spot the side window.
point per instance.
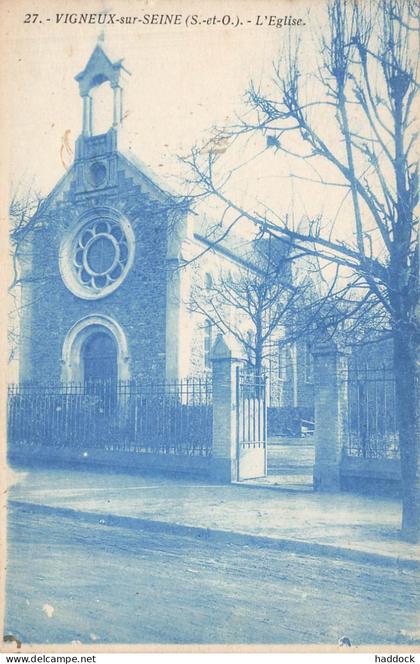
(282, 361)
(309, 363)
(208, 281)
(208, 342)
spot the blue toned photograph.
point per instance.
(212, 285)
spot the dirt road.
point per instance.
(72, 581)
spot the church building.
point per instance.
(104, 289)
(106, 294)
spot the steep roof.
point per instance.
(99, 68)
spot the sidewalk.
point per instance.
(337, 525)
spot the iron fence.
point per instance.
(372, 427)
(153, 417)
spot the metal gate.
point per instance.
(251, 422)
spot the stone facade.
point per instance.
(139, 303)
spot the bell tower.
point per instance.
(96, 149)
(99, 71)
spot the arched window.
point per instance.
(208, 281)
(208, 343)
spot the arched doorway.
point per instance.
(99, 355)
(95, 349)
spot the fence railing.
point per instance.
(372, 429)
(153, 417)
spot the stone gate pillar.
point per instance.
(331, 408)
(224, 458)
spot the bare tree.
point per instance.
(24, 221)
(357, 120)
(252, 302)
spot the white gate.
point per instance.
(251, 425)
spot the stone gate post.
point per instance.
(331, 408)
(224, 459)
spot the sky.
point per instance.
(183, 80)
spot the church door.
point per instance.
(100, 363)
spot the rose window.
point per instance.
(101, 254)
(96, 258)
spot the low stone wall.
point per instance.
(370, 476)
(117, 460)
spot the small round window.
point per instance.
(97, 174)
(97, 256)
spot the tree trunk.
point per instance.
(258, 368)
(407, 377)
(258, 361)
